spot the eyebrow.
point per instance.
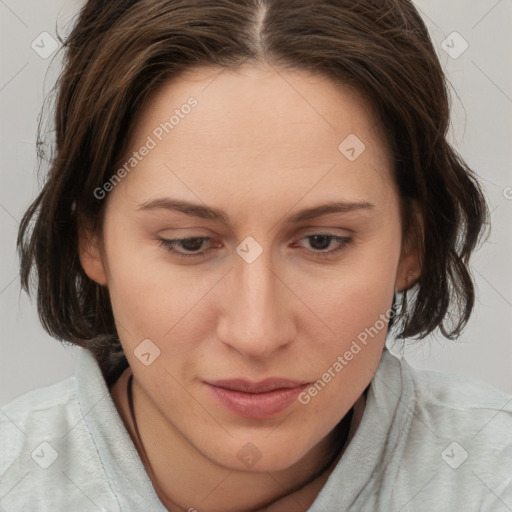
(210, 213)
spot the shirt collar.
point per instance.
(119, 457)
(380, 435)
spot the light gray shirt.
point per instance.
(427, 442)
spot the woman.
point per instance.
(245, 198)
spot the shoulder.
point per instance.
(459, 441)
(460, 404)
(30, 423)
(42, 398)
(47, 452)
(46, 411)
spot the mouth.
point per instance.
(257, 400)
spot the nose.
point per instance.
(256, 318)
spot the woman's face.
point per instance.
(283, 182)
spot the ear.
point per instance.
(410, 265)
(91, 255)
(409, 271)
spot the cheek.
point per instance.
(356, 319)
(354, 303)
(353, 295)
(149, 296)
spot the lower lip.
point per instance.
(257, 405)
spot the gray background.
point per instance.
(481, 131)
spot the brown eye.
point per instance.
(321, 241)
(192, 244)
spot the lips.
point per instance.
(258, 400)
(264, 386)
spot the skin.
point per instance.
(261, 144)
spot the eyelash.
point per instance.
(169, 245)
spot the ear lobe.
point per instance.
(90, 253)
(407, 275)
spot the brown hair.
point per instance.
(120, 51)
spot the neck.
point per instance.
(179, 473)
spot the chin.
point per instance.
(259, 454)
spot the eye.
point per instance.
(192, 244)
(321, 241)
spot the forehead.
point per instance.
(248, 128)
